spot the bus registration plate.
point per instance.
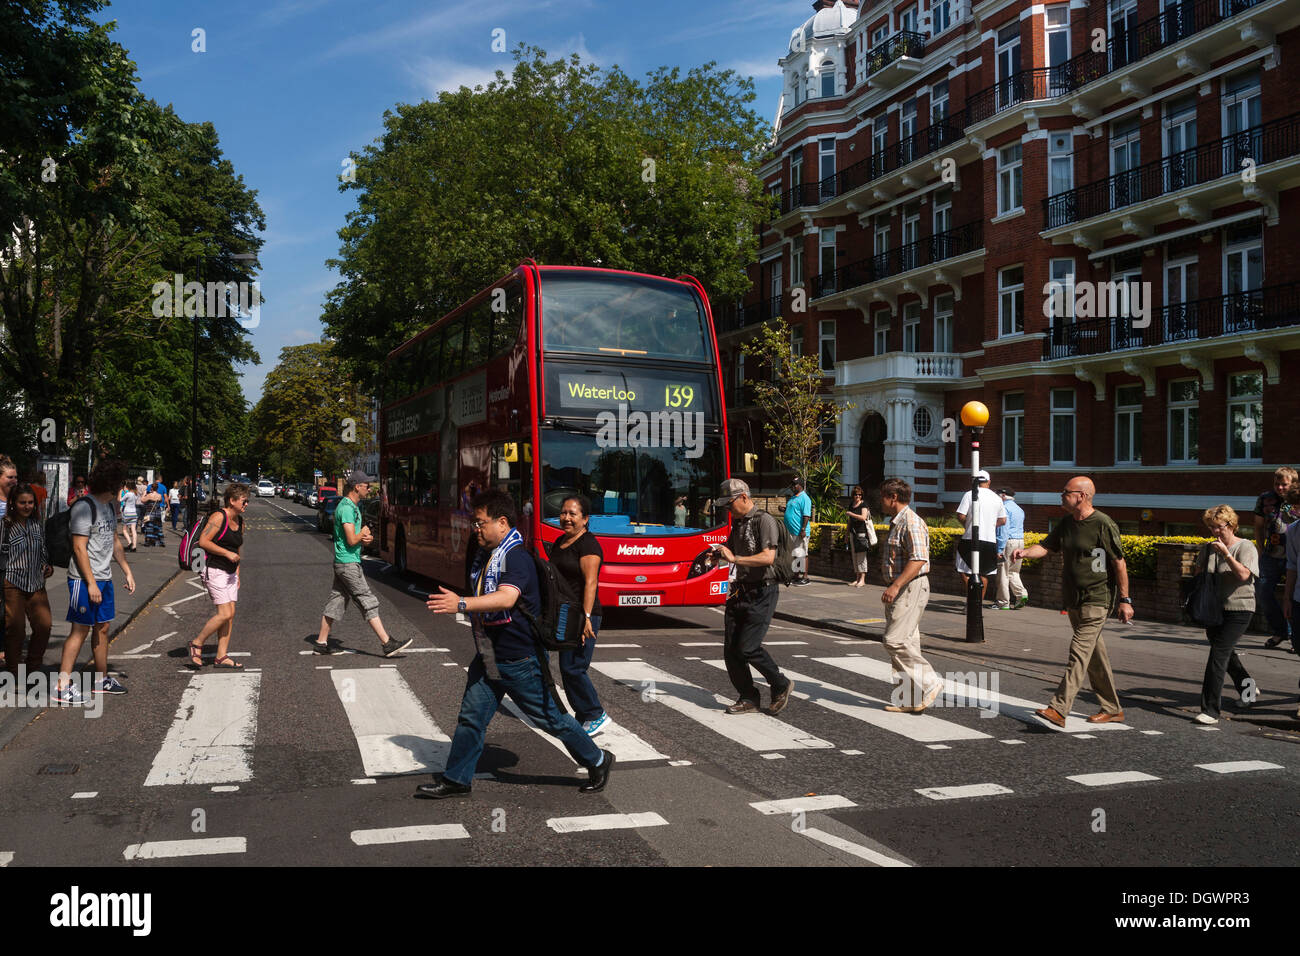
(638, 600)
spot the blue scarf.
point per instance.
(492, 572)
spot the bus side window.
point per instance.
(478, 331)
(433, 359)
(505, 325)
(453, 350)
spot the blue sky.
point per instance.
(293, 86)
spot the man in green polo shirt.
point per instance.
(349, 580)
(1094, 569)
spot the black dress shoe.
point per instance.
(597, 777)
(441, 790)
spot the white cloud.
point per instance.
(432, 76)
(457, 19)
(758, 69)
(767, 15)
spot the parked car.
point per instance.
(302, 491)
(318, 497)
(325, 513)
(370, 518)
(265, 489)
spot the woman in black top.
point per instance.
(577, 558)
(221, 539)
(859, 516)
(23, 580)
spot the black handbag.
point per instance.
(861, 542)
(1203, 605)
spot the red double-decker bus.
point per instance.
(557, 380)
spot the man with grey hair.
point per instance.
(350, 583)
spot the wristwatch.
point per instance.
(460, 606)
(1128, 601)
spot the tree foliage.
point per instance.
(560, 162)
(794, 410)
(301, 422)
(108, 193)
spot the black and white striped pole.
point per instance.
(975, 415)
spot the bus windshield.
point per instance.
(624, 315)
(642, 490)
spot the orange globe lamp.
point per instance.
(974, 415)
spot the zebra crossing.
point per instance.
(212, 739)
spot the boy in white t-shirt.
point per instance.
(989, 512)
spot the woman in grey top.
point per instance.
(23, 581)
(1234, 562)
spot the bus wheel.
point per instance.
(399, 553)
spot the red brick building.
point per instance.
(1084, 214)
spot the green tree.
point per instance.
(302, 420)
(560, 162)
(794, 408)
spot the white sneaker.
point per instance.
(1204, 718)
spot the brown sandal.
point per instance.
(225, 663)
(196, 656)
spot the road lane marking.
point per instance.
(961, 793)
(772, 756)
(169, 849)
(699, 643)
(606, 821)
(862, 852)
(922, 728)
(85, 795)
(1240, 766)
(826, 801)
(1007, 706)
(409, 650)
(610, 647)
(184, 599)
(435, 831)
(145, 647)
(6, 857)
(785, 643)
(211, 737)
(756, 731)
(625, 745)
(231, 788)
(394, 732)
(1105, 779)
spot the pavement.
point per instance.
(313, 761)
(153, 569)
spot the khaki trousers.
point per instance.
(1087, 655)
(1009, 583)
(903, 641)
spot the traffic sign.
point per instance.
(207, 456)
(319, 474)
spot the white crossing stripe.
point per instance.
(339, 651)
(759, 732)
(211, 737)
(784, 643)
(826, 801)
(862, 852)
(1007, 705)
(959, 793)
(607, 647)
(625, 745)
(435, 831)
(699, 643)
(6, 857)
(606, 821)
(394, 732)
(919, 727)
(1240, 766)
(1104, 779)
(143, 647)
(166, 849)
(183, 600)
(85, 795)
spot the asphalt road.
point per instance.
(313, 761)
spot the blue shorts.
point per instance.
(81, 611)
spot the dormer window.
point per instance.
(828, 78)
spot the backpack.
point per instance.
(783, 565)
(190, 541)
(558, 626)
(58, 532)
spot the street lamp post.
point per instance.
(974, 415)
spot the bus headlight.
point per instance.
(702, 564)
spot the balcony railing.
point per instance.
(913, 255)
(1177, 22)
(1262, 144)
(913, 366)
(1038, 83)
(1272, 307)
(731, 318)
(904, 43)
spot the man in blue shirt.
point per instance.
(1011, 537)
(509, 661)
(798, 521)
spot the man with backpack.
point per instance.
(753, 547)
(93, 526)
(505, 602)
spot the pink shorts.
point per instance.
(223, 586)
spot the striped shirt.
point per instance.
(28, 555)
(909, 540)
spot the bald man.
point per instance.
(1094, 570)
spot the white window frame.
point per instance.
(796, 168)
(796, 340)
(1183, 409)
(1060, 162)
(826, 344)
(1132, 411)
(826, 250)
(796, 262)
(1013, 429)
(909, 19)
(1011, 300)
(944, 327)
(1011, 193)
(1058, 412)
(825, 157)
(881, 324)
(826, 71)
(939, 100)
(941, 18)
(912, 327)
(1253, 404)
(1061, 273)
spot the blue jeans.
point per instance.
(577, 685)
(1271, 571)
(522, 680)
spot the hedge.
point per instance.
(1139, 550)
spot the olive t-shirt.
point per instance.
(571, 582)
(752, 535)
(1088, 550)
